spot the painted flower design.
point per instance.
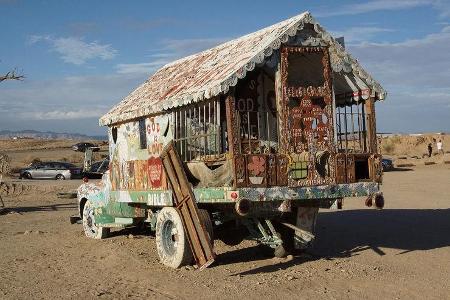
(257, 165)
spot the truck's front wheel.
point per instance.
(171, 240)
(91, 229)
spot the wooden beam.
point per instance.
(369, 106)
(232, 126)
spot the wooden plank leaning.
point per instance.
(184, 200)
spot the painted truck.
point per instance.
(271, 127)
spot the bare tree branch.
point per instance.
(11, 75)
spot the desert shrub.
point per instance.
(420, 140)
(15, 170)
(30, 159)
(395, 140)
(388, 147)
(76, 158)
(97, 156)
(5, 166)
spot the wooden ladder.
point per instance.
(184, 200)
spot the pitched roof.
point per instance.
(213, 71)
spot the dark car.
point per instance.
(50, 170)
(97, 169)
(81, 147)
(387, 164)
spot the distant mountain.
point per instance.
(47, 135)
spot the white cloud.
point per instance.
(359, 34)
(62, 114)
(416, 62)
(170, 50)
(442, 6)
(189, 46)
(76, 97)
(141, 68)
(75, 50)
(416, 74)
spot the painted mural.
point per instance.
(134, 167)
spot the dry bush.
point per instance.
(15, 170)
(97, 156)
(31, 159)
(76, 158)
(388, 147)
(420, 140)
(395, 140)
(5, 166)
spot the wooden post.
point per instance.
(280, 110)
(232, 125)
(371, 125)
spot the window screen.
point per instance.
(305, 69)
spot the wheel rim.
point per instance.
(169, 237)
(60, 177)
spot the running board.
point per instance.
(184, 201)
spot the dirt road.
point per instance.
(400, 252)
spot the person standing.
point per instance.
(430, 149)
(439, 147)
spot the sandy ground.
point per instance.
(400, 252)
(23, 152)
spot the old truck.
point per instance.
(268, 128)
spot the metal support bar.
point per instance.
(295, 228)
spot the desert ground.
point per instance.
(399, 252)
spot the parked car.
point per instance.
(81, 147)
(387, 164)
(51, 170)
(97, 169)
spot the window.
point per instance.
(305, 69)
(257, 113)
(351, 127)
(142, 134)
(197, 131)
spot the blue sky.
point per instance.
(82, 57)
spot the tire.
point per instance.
(60, 177)
(206, 219)
(92, 230)
(27, 175)
(171, 241)
(230, 234)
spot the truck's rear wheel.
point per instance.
(171, 240)
(91, 229)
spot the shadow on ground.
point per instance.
(400, 169)
(25, 209)
(347, 233)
